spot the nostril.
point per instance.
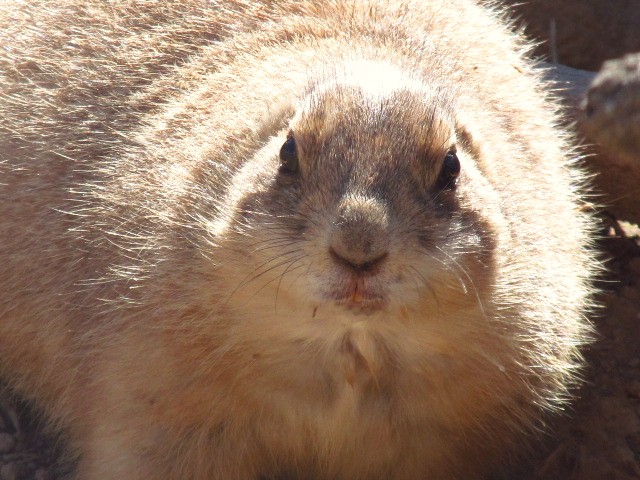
(360, 265)
(370, 265)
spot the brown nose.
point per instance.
(360, 234)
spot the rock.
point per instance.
(612, 122)
(613, 109)
(606, 108)
(571, 85)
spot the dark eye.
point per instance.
(289, 157)
(449, 171)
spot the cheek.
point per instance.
(447, 248)
(480, 204)
(473, 252)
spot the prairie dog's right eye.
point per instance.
(289, 157)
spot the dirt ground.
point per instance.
(599, 437)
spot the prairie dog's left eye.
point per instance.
(448, 172)
(289, 157)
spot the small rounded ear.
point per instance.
(289, 164)
(449, 171)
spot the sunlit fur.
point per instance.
(179, 309)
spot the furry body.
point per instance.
(174, 302)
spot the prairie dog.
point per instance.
(256, 240)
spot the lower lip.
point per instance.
(363, 304)
(356, 295)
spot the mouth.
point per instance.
(359, 297)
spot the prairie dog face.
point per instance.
(364, 206)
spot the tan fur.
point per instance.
(171, 301)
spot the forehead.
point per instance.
(374, 106)
(375, 80)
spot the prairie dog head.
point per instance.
(364, 206)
